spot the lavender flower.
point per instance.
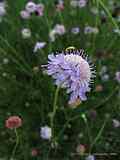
(82, 3)
(90, 157)
(117, 76)
(71, 70)
(39, 45)
(75, 30)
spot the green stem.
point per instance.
(98, 135)
(87, 127)
(15, 147)
(108, 13)
(54, 107)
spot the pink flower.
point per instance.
(60, 6)
(39, 9)
(13, 122)
(34, 152)
(24, 14)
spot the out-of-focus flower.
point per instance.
(71, 70)
(94, 10)
(59, 29)
(90, 157)
(30, 7)
(5, 61)
(99, 88)
(105, 77)
(24, 14)
(93, 114)
(74, 3)
(117, 76)
(116, 123)
(75, 30)
(26, 33)
(89, 30)
(82, 3)
(52, 35)
(81, 149)
(60, 5)
(34, 152)
(78, 3)
(2, 9)
(117, 31)
(39, 9)
(103, 70)
(39, 45)
(46, 132)
(13, 122)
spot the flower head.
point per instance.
(25, 14)
(13, 122)
(26, 33)
(39, 45)
(30, 7)
(71, 70)
(117, 76)
(46, 132)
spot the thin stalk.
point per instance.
(15, 147)
(54, 107)
(108, 13)
(98, 135)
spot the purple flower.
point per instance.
(117, 76)
(71, 70)
(75, 30)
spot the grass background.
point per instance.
(30, 95)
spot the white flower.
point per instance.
(5, 61)
(30, 7)
(46, 132)
(73, 3)
(26, 33)
(116, 123)
(2, 9)
(39, 45)
(52, 35)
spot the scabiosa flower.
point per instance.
(34, 152)
(46, 132)
(60, 5)
(24, 14)
(39, 9)
(75, 30)
(13, 122)
(117, 76)
(82, 3)
(59, 29)
(39, 45)
(81, 149)
(30, 7)
(71, 70)
(89, 30)
(26, 33)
